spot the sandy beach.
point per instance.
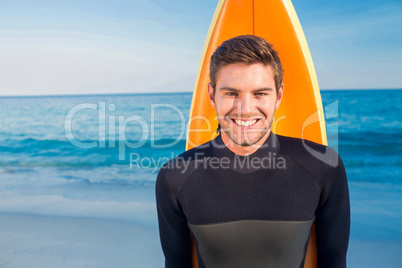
(48, 241)
(365, 253)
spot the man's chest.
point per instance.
(218, 195)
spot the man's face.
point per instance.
(245, 101)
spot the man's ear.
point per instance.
(211, 95)
(280, 96)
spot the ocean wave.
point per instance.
(366, 161)
(371, 139)
(142, 211)
(58, 153)
(37, 178)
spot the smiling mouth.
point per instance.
(245, 123)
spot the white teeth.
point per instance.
(245, 123)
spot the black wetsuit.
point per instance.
(257, 210)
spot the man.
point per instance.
(249, 196)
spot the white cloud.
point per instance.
(73, 62)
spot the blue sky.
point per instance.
(102, 46)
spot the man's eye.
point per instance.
(260, 94)
(231, 94)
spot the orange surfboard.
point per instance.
(301, 113)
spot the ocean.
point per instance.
(97, 156)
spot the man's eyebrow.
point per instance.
(263, 89)
(229, 89)
(236, 90)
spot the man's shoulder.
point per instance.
(179, 169)
(316, 158)
(196, 153)
(293, 145)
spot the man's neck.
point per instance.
(243, 150)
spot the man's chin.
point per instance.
(245, 139)
(246, 142)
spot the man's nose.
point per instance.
(245, 105)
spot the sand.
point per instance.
(52, 241)
(48, 241)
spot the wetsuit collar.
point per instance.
(249, 163)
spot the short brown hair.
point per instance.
(247, 49)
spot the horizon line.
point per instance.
(164, 93)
